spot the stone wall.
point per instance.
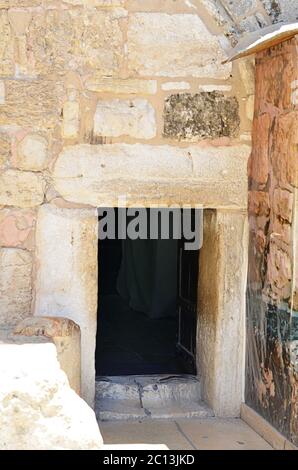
(100, 98)
(272, 328)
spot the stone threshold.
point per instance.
(265, 430)
(149, 397)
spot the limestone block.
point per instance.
(238, 8)
(283, 204)
(21, 189)
(221, 315)
(175, 86)
(4, 149)
(175, 45)
(96, 3)
(99, 174)
(135, 118)
(247, 73)
(202, 115)
(17, 228)
(32, 103)
(2, 92)
(117, 85)
(66, 336)
(38, 409)
(6, 45)
(77, 39)
(32, 153)
(15, 285)
(71, 119)
(66, 279)
(250, 107)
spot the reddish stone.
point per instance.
(283, 204)
(279, 272)
(259, 164)
(17, 228)
(258, 203)
(285, 148)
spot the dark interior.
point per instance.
(138, 308)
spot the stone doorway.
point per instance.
(147, 293)
(67, 285)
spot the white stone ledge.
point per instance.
(98, 174)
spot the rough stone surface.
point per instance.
(203, 115)
(258, 203)
(135, 118)
(259, 165)
(66, 336)
(283, 204)
(43, 104)
(21, 189)
(5, 149)
(131, 86)
(69, 288)
(17, 227)
(99, 175)
(38, 409)
(15, 285)
(33, 153)
(279, 274)
(222, 281)
(6, 46)
(182, 46)
(75, 39)
(97, 3)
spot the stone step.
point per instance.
(152, 389)
(149, 397)
(109, 409)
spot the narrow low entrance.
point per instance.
(147, 302)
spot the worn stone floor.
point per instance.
(182, 434)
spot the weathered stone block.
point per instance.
(283, 204)
(21, 189)
(173, 46)
(203, 115)
(258, 203)
(17, 228)
(117, 85)
(285, 149)
(279, 273)
(6, 46)
(96, 3)
(239, 8)
(99, 174)
(135, 118)
(32, 154)
(175, 86)
(38, 409)
(4, 149)
(2, 92)
(66, 336)
(35, 103)
(71, 120)
(77, 39)
(15, 285)
(259, 163)
(69, 235)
